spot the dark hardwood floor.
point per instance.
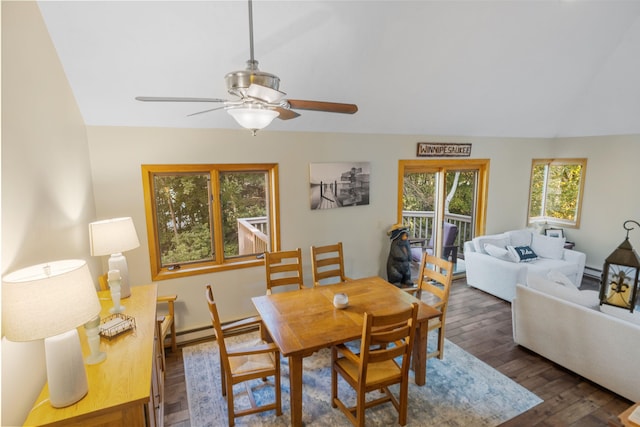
(480, 324)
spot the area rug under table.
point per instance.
(461, 390)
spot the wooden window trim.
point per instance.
(159, 273)
(559, 161)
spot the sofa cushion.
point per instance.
(522, 253)
(498, 252)
(548, 247)
(621, 313)
(519, 237)
(589, 299)
(542, 266)
(560, 278)
(500, 240)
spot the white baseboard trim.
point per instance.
(202, 333)
(198, 334)
(592, 272)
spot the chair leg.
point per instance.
(230, 411)
(174, 346)
(223, 379)
(404, 402)
(360, 408)
(277, 381)
(441, 342)
(334, 379)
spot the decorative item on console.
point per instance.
(115, 285)
(619, 286)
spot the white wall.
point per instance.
(47, 196)
(611, 192)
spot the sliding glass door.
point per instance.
(442, 202)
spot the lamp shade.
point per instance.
(253, 118)
(48, 299)
(112, 236)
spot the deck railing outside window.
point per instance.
(252, 236)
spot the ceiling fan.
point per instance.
(258, 98)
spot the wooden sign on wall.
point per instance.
(443, 149)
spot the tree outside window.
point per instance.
(556, 191)
(203, 218)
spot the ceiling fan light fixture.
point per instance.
(253, 118)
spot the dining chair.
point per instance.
(243, 362)
(435, 278)
(283, 268)
(327, 264)
(383, 360)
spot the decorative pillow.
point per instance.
(498, 252)
(499, 240)
(548, 247)
(561, 279)
(621, 313)
(519, 237)
(522, 253)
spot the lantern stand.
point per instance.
(619, 285)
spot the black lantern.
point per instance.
(619, 285)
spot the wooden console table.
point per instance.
(624, 417)
(126, 389)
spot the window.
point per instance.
(434, 192)
(556, 191)
(204, 218)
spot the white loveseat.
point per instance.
(599, 343)
(497, 272)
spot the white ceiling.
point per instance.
(466, 68)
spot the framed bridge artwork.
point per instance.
(339, 185)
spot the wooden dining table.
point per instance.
(304, 321)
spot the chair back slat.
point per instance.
(327, 262)
(283, 268)
(392, 333)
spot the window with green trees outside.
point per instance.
(202, 218)
(556, 191)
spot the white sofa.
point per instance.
(596, 343)
(497, 273)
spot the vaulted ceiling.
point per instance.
(466, 68)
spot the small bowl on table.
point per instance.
(340, 300)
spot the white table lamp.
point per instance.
(112, 237)
(50, 301)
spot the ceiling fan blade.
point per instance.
(286, 114)
(331, 107)
(205, 111)
(172, 99)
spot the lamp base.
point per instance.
(119, 262)
(66, 375)
(92, 328)
(94, 359)
(119, 309)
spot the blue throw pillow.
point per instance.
(522, 253)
